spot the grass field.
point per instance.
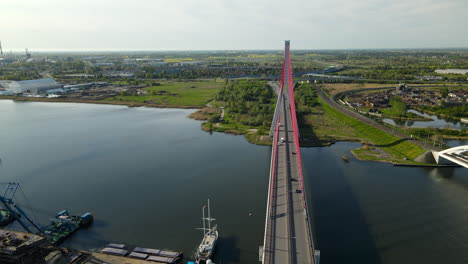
(326, 125)
(319, 129)
(194, 93)
(176, 60)
(399, 149)
(334, 88)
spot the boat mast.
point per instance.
(209, 216)
(203, 212)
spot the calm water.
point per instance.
(145, 173)
(454, 143)
(375, 213)
(437, 122)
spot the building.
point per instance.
(34, 86)
(19, 247)
(402, 87)
(452, 71)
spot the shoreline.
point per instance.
(422, 119)
(78, 101)
(250, 137)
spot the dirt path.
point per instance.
(221, 116)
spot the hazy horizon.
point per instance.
(204, 25)
(21, 51)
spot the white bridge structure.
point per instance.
(458, 155)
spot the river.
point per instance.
(146, 173)
(369, 212)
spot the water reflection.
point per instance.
(455, 143)
(370, 212)
(143, 173)
(441, 173)
(437, 122)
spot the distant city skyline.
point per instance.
(169, 25)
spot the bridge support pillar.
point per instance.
(317, 257)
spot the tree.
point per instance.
(445, 92)
(213, 119)
(399, 107)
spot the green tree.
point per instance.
(398, 106)
(444, 92)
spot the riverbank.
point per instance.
(325, 124)
(252, 135)
(323, 129)
(202, 114)
(402, 119)
(67, 100)
(245, 107)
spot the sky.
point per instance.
(86, 25)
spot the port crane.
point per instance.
(18, 214)
(60, 227)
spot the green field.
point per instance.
(188, 94)
(390, 144)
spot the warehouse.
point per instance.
(34, 86)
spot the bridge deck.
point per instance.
(287, 232)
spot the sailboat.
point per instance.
(210, 236)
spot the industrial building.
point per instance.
(452, 71)
(34, 86)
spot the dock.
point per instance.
(26, 248)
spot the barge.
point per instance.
(148, 254)
(64, 225)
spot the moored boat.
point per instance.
(210, 237)
(64, 224)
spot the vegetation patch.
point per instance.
(446, 111)
(248, 110)
(321, 124)
(335, 88)
(191, 93)
(436, 134)
(206, 113)
(316, 127)
(399, 149)
(257, 139)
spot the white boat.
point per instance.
(210, 236)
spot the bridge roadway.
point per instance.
(287, 236)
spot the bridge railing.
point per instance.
(292, 105)
(268, 247)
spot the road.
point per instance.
(332, 102)
(287, 227)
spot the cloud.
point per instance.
(232, 24)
